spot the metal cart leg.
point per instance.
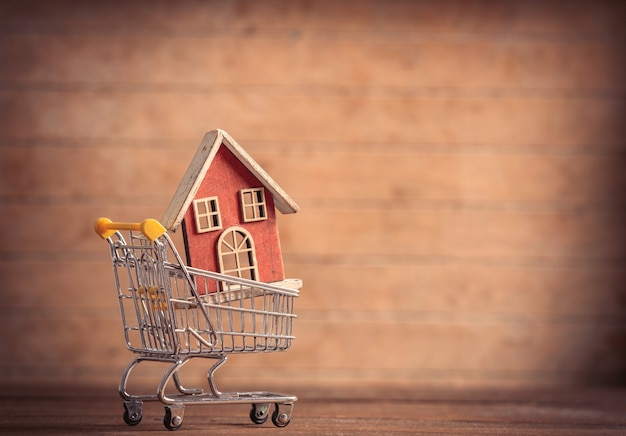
(125, 375)
(210, 375)
(129, 369)
(184, 390)
(171, 372)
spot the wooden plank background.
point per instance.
(459, 167)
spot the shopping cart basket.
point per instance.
(170, 315)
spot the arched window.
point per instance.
(236, 254)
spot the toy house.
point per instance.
(226, 206)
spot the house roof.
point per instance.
(198, 168)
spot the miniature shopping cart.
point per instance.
(171, 313)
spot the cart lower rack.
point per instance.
(172, 313)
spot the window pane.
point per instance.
(248, 213)
(247, 274)
(229, 261)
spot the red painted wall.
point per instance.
(225, 178)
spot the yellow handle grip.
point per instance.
(151, 228)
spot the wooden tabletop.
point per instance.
(340, 410)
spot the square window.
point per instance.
(207, 214)
(253, 206)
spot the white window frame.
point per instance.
(212, 214)
(244, 253)
(258, 206)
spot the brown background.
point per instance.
(459, 167)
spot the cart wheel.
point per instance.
(132, 413)
(170, 421)
(280, 419)
(260, 413)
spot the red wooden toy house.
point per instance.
(226, 205)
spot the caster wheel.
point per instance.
(132, 414)
(280, 419)
(171, 421)
(260, 413)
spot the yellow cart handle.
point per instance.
(151, 228)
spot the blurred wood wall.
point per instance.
(459, 167)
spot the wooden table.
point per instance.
(333, 411)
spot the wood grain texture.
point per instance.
(362, 409)
(431, 175)
(459, 167)
(429, 117)
(402, 63)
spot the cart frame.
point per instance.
(169, 316)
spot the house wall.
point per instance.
(225, 178)
(459, 167)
